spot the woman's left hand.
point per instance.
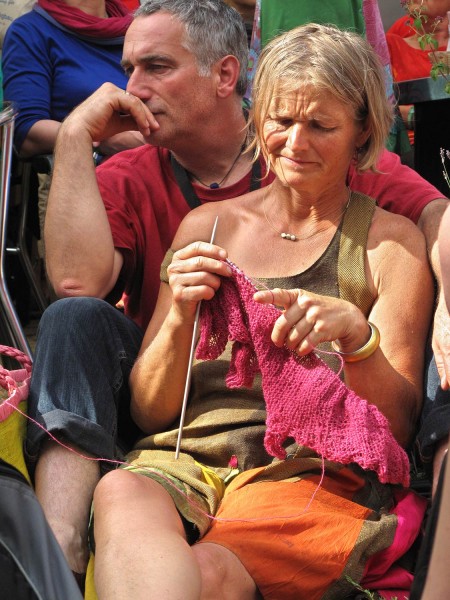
(309, 319)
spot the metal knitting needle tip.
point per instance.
(191, 361)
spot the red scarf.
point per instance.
(116, 25)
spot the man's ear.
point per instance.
(227, 71)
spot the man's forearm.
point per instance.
(79, 245)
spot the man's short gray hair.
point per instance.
(213, 29)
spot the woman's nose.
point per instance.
(297, 137)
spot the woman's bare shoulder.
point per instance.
(198, 224)
(394, 228)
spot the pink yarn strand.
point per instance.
(167, 480)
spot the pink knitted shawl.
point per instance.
(304, 398)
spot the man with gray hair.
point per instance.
(107, 231)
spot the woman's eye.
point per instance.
(321, 127)
(280, 122)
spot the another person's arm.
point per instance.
(81, 258)
(120, 142)
(435, 217)
(403, 191)
(41, 139)
(444, 255)
(27, 81)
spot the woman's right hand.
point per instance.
(194, 275)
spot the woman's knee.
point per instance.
(116, 487)
(212, 571)
(223, 575)
(121, 493)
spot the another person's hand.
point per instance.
(109, 111)
(194, 275)
(309, 319)
(441, 342)
(441, 325)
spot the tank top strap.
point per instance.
(352, 251)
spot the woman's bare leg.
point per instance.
(224, 577)
(141, 548)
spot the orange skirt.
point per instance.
(301, 540)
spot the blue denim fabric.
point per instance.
(435, 420)
(79, 387)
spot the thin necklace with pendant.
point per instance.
(291, 236)
(216, 184)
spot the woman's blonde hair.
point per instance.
(338, 62)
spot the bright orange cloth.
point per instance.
(302, 556)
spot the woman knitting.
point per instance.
(341, 283)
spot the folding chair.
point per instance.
(11, 325)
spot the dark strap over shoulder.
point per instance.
(185, 185)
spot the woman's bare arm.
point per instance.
(158, 378)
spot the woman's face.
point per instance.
(433, 8)
(311, 138)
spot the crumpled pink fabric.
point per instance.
(304, 398)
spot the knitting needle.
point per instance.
(191, 361)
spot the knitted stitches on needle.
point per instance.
(304, 398)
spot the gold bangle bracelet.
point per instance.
(365, 351)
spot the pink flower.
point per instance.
(233, 463)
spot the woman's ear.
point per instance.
(363, 135)
(227, 70)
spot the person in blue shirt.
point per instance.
(54, 57)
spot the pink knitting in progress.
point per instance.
(304, 398)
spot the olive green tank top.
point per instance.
(339, 272)
(221, 422)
